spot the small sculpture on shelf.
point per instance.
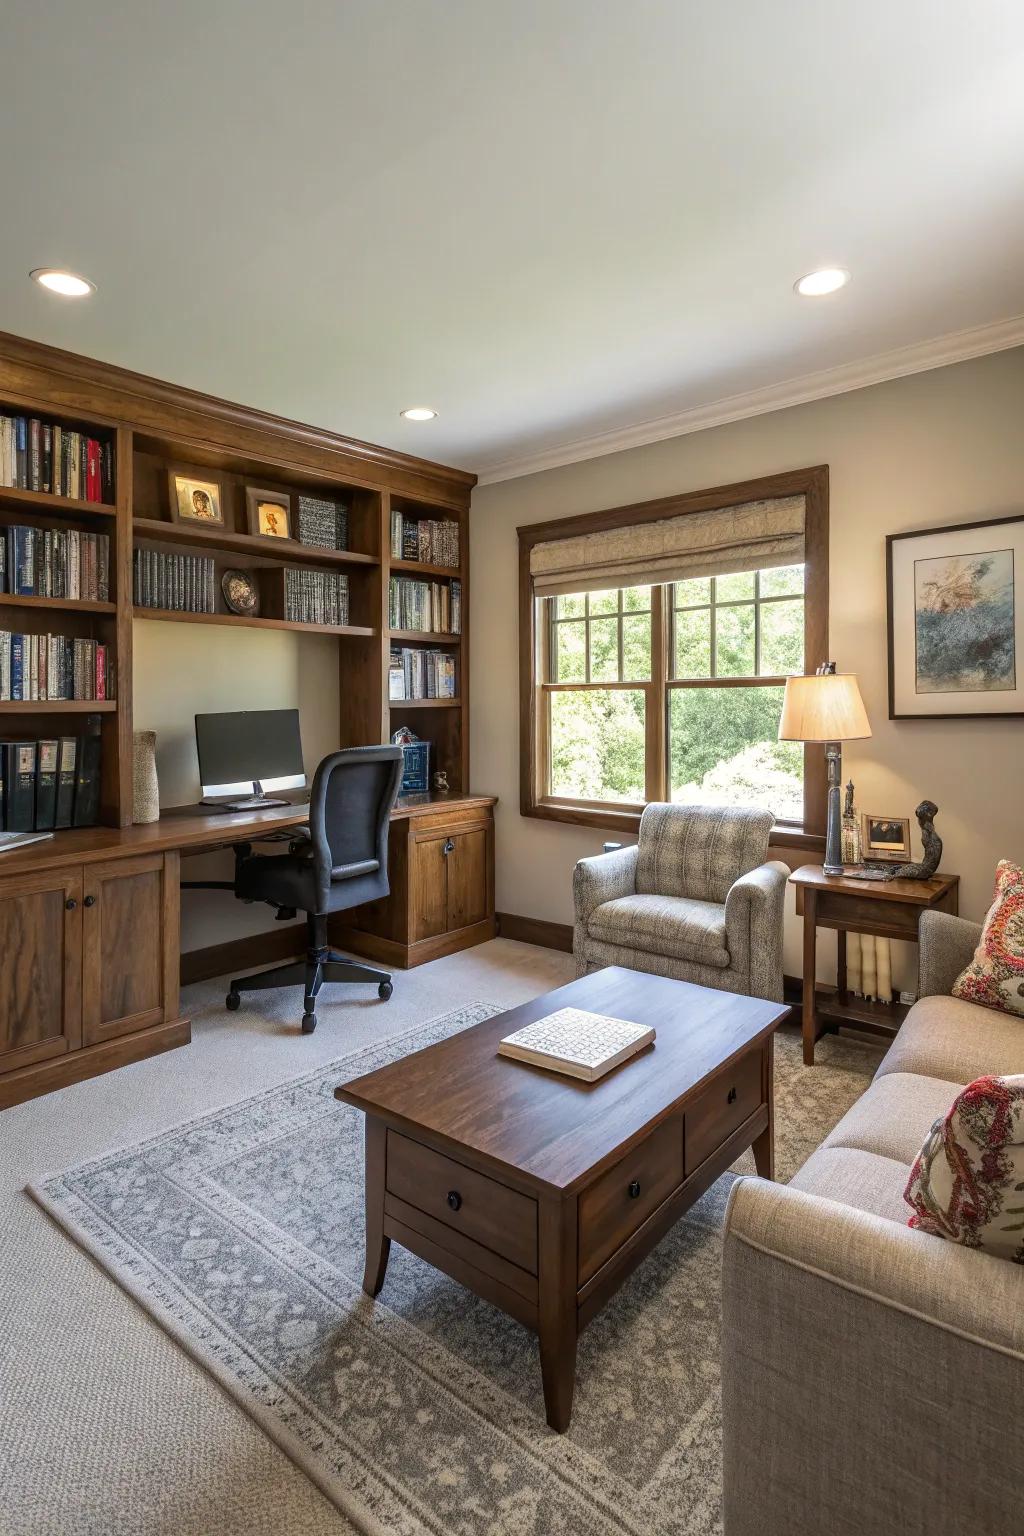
(441, 786)
(922, 869)
(850, 834)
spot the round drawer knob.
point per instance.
(454, 1199)
(634, 1190)
(71, 904)
(90, 901)
(731, 1096)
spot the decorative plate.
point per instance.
(240, 593)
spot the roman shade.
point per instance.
(748, 537)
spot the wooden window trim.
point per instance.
(534, 640)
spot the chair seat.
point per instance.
(678, 926)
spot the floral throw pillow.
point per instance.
(995, 977)
(967, 1183)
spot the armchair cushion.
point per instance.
(664, 925)
(698, 850)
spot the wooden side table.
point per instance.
(890, 909)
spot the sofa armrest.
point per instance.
(947, 945)
(865, 1368)
(603, 878)
(754, 912)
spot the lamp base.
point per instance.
(833, 863)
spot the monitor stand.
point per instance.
(257, 801)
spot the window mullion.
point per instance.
(656, 714)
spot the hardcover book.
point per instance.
(577, 1043)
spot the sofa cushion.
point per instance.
(944, 1037)
(995, 977)
(863, 1180)
(894, 1116)
(699, 850)
(967, 1183)
(663, 925)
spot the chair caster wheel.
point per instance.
(384, 991)
(308, 1023)
(232, 1002)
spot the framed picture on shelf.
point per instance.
(269, 513)
(956, 621)
(195, 495)
(886, 839)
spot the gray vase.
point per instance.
(145, 789)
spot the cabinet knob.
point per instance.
(449, 846)
(90, 901)
(454, 1199)
(634, 1190)
(731, 1096)
(70, 904)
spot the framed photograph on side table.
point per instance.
(956, 621)
(195, 495)
(886, 839)
(269, 513)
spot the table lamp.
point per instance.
(827, 708)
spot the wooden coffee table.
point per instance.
(541, 1193)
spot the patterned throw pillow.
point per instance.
(995, 977)
(967, 1183)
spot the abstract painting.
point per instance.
(964, 623)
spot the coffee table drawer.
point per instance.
(714, 1114)
(611, 1209)
(483, 1210)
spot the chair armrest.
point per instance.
(754, 912)
(947, 945)
(601, 879)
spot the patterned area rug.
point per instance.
(242, 1234)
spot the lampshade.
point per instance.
(825, 707)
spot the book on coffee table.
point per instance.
(577, 1043)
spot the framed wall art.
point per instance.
(956, 621)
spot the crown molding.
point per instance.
(922, 356)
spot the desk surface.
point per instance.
(187, 827)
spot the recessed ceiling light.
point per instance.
(826, 280)
(418, 413)
(68, 284)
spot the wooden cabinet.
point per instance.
(441, 870)
(89, 978)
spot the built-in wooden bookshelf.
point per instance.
(153, 427)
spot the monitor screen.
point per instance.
(236, 749)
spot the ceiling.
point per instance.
(562, 223)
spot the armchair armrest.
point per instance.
(947, 945)
(754, 909)
(601, 879)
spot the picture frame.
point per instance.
(885, 839)
(955, 620)
(196, 495)
(269, 513)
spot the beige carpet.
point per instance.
(109, 1427)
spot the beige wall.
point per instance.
(940, 447)
(181, 670)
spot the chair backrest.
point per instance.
(349, 812)
(699, 850)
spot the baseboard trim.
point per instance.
(237, 955)
(535, 930)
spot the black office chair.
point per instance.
(343, 864)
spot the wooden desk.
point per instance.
(90, 927)
(890, 909)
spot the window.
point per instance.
(673, 689)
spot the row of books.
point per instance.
(51, 784)
(421, 675)
(42, 456)
(315, 597)
(38, 668)
(420, 538)
(323, 524)
(430, 606)
(179, 583)
(55, 562)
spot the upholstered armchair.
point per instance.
(694, 900)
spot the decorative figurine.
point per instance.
(926, 867)
(850, 835)
(441, 782)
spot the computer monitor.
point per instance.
(246, 752)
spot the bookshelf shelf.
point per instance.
(64, 604)
(278, 551)
(60, 506)
(427, 636)
(424, 704)
(240, 621)
(421, 568)
(58, 706)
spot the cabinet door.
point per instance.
(429, 888)
(130, 934)
(467, 878)
(40, 967)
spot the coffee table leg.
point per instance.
(557, 1310)
(763, 1146)
(378, 1247)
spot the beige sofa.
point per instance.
(872, 1375)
